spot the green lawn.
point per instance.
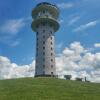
(48, 89)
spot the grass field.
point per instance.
(48, 89)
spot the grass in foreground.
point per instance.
(48, 89)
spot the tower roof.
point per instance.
(46, 3)
(43, 6)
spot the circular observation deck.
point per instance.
(45, 13)
(51, 21)
(46, 6)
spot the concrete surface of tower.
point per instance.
(45, 25)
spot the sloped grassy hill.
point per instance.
(48, 89)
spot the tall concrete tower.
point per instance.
(45, 25)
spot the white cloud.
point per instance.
(12, 26)
(86, 26)
(78, 61)
(75, 60)
(68, 52)
(59, 46)
(95, 76)
(87, 61)
(77, 47)
(73, 20)
(65, 5)
(11, 70)
(8, 40)
(61, 21)
(97, 45)
(15, 43)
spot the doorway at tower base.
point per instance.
(56, 76)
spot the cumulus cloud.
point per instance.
(59, 46)
(12, 26)
(73, 20)
(10, 70)
(78, 62)
(97, 45)
(69, 57)
(86, 26)
(61, 21)
(75, 60)
(95, 76)
(15, 43)
(65, 5)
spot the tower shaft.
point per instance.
(45, 56)
(45, 25)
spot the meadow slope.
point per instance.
(48, 89)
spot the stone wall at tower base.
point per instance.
(56, 76)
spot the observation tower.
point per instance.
(45, 25)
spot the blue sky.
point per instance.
(19, 45)
(79, 27)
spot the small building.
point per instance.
(67, 77)
(78, 79)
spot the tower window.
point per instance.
(43, 59)
(43, 31)
(43, 72)
(43, 42)
(52, 60)
(37, 41)
(43, 53)
(43, 47)
(37, 54)
(43, 66)
(43, 24)
(37, 26)
(43, 36)
(50, 25)
(51, 32)
(51, 73)
(37, 33)
(51, 48)
(51, 54)
(51, 43)
(37, 44)
(43, 11)
(51, 66)
(51, 37)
